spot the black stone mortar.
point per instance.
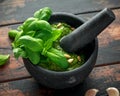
(66, 79)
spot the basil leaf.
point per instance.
(27, 23)
(56, 33)
(39, 25)
(3, 59)
(43, 14)
(31, 33)
(57, 57)
(19, 52)
(13, 33)
(31, 43)
(44, 35)
(34, 57)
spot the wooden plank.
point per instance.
(4, 39)
(12, 11)
(100, 78)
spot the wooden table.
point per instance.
(14, 78)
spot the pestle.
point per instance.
(87, 32)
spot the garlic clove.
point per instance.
(78, 57)
(67, 55)
(70, 60)
(112, 91)
(91, 92)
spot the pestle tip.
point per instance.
(110, 13)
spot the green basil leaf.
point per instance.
(19, 52)
(57, 57)
(56, 33)
(44, 35)
(13, 33)
(3, 59)
(40, 25)
(34, 57)
(43, 14)
(31, 43)
(27, 23)
(31, 33)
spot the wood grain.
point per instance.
(12, 11)
(100, 78)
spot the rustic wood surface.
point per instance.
(14, 78)
(14, 11)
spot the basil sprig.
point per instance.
(35, 38)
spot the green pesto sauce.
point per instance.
(75, 60)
